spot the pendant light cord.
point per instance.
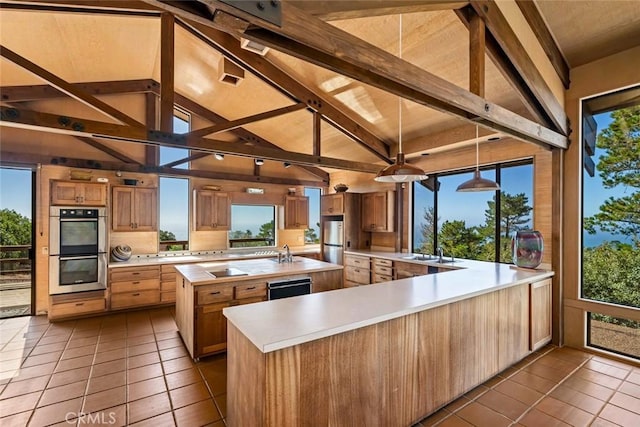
(399, 98)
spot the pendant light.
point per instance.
(477, 183)
(400, 171)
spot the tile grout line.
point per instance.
(608, 401)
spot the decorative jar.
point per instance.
(527, 248)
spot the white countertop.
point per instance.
(207, 256)
(199, 273)
(277, 324)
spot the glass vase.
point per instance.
(527, 248)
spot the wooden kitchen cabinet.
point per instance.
(539, 314)
(212, 210)
(404, 270)
(296, 212)
(167, 283)
(134, 208)
(134, 286)
(357, 270)
(378, 211)
(74, 193)
(211, 329)
(382, 270)
(332, 204)
(76, 304)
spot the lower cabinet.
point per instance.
(409, 269)
(76, 304)
(357, 270)
(539, 314)
(134, 286)
(211, 329)
(167, 284)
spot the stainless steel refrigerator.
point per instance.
(333, 241)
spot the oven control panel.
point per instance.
(78, 213)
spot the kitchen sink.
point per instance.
(228, 272)
(420, 257)
(285, 262)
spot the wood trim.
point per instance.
(68, 88)
(517, 54)
(317, 136)
(232, 124)
(476, 55)
(540, 29)
(603, 308)
(557, 240)
(167, 71)
(270, 73)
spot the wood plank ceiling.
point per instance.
(358, 107)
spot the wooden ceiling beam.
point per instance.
(548, 43)
(38, 92)
(190, 158)
(335, 10)
(243, 134)
(476, 56)
(320, 43)
(68, 88)
(270, 73)
(18, 118)
(106, 149)
(167, 71)
(317, 137)
(499, 27)
(151, 152)
(24, 158)
(232, 124)
(447, 139)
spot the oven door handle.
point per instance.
(90, 219)
(71, 258)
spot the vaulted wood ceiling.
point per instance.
(83, 41)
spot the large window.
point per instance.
(464, 224)
(174, 194)
(312, 234)
(611, 222)
(252, 226)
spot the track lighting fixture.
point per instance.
(219, 156)
(259, 162)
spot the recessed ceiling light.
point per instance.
(219, 156)
(259, 162)
(287, 164)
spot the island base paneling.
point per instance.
(392, 373)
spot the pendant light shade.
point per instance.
(400, 171)
(477, 183)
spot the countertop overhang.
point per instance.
(274, 325)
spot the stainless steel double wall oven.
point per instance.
(77, 249)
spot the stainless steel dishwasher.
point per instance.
(289, 288)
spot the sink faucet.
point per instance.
(288, 257)
(440, 254)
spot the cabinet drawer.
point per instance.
(77, 307)
(134, 286)
(121, 275)
(252, 300)
(250, 290)
(350, 284)
(214, 294)
(356, 274)
(379, 278)
(388, 271)
(168, 296)
(357, 261)
(382, 262)
(165, 269)
(168, 277)
(168, 286)
(132, 299)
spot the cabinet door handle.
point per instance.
(136, 283)
(137, 294)
(253, 287)
(215, 293)
(135, 274)
(330, 209)
(78, 304)
(356, 262)
(357, 270)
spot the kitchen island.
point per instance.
(385, 354)
(203, 290)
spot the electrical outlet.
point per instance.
(45, 250)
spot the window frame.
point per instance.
(275, 227)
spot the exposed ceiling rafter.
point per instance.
(334, 10)
(20, 118)
(184, 160)
(68, 88)
(315, 41)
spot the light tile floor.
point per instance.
(132, 369)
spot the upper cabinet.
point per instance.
(377, 211)
(78, 193)
(134, 209)
(212, 210)
(296, 212)
(332, 204)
